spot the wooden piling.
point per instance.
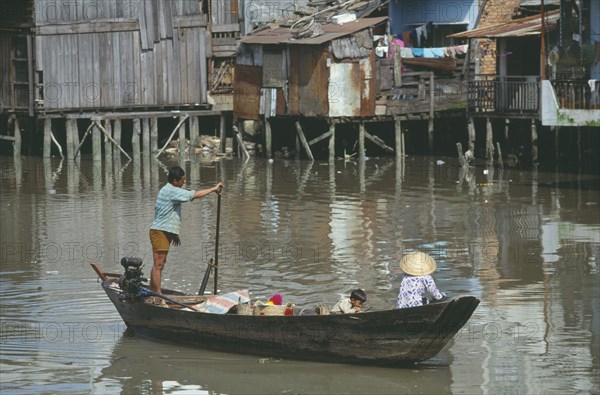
(146, 136)
(489, 141)
(361, 141)
(534, 142)
(499, 152)
(17, 141)
(108, 148)
(431, 111)
(135, 139)
(332, 142)
(268, 139)
(96, 143)
(506, 128)
(117, 131)
(222, 134)
(471, 134)
(47, 137)
(182, 130)
(303, 140)
(70, 124)
(153, 135)
(398, 136)
(194, 134)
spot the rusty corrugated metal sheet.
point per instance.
(517, 28)
(345, 90)
(246, 92)
(309, 76)
(367, 86)
(282, 35)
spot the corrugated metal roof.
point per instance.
(529, 26)
(282, 35)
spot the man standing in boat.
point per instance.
(164, 230)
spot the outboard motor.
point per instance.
(131, 280)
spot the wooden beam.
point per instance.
(95, 116)
(181, 121)
(378, 141)
(186, 21)
(304, 142)
(321, 137)
(87, 27)
(102, 129)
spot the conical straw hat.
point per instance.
(417, 264)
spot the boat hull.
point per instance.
(397, 336)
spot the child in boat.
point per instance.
(353, 304)
(417, 281)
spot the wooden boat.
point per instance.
(397, 336)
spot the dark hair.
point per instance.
(175, 173)
(359, 294)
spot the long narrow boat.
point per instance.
(397, 336)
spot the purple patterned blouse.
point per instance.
(412, 291)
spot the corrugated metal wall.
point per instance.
(152, 53)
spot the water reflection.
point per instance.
(526, 242)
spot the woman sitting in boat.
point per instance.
(417, 281)
(353, 304)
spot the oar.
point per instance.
(205, 279)
(217, 240)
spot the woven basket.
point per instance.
(244, 309)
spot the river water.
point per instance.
(526, 242)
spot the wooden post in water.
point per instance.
(153, 135)
(471, 132)
(146, 136)
(182, 129)
(17, 142)
(108, 148)
(534, 142)
(96, 143)
(489, 141)
(332, 141)
(117, 132)
(268, 138)
(135, 139)
(70, 124)
(506, 128)
(47, 137)
(222, 134)
(361, 140)
(304, 142)
(431, 112)
(194, 134)
(398, 136)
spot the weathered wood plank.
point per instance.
(183, 54)
(105, 76)
(147, 9)
(143, 29)
(158, 68)
(175, 67)
(137, 68)
(155, 20)
(86, 27)
(127, 69)
(228, 27)
(116, 66)
(168, 16)
(96, 69)
(202, 70)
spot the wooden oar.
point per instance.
(217, 240)
(205, 279)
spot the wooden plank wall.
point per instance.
(156, 59)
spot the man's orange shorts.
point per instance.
(161, 240)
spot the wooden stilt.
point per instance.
(489, 142)
(87, 132)
(47, 137)
(303, 140)
(57, 145)
(403, 145)
(117, 132)
(135, 138)
(398, 136)
(361, 141)
(194, 134)
(430, 123)
(556, 135)
(146, 136)
(471, 132)
(461, 156)
(17, 141)
(70, 124)
(534, 142)
(96, 143)
(268, 139)
(222, 133)
(506, 128)
(107, 134)
(499, 152)
(182, 131)
(378, 141)
(297, 149)
(241, 145)
(153, 135)
(332, 142)
(108, 141)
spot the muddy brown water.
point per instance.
(526, 243)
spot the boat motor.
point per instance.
(131, 280)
